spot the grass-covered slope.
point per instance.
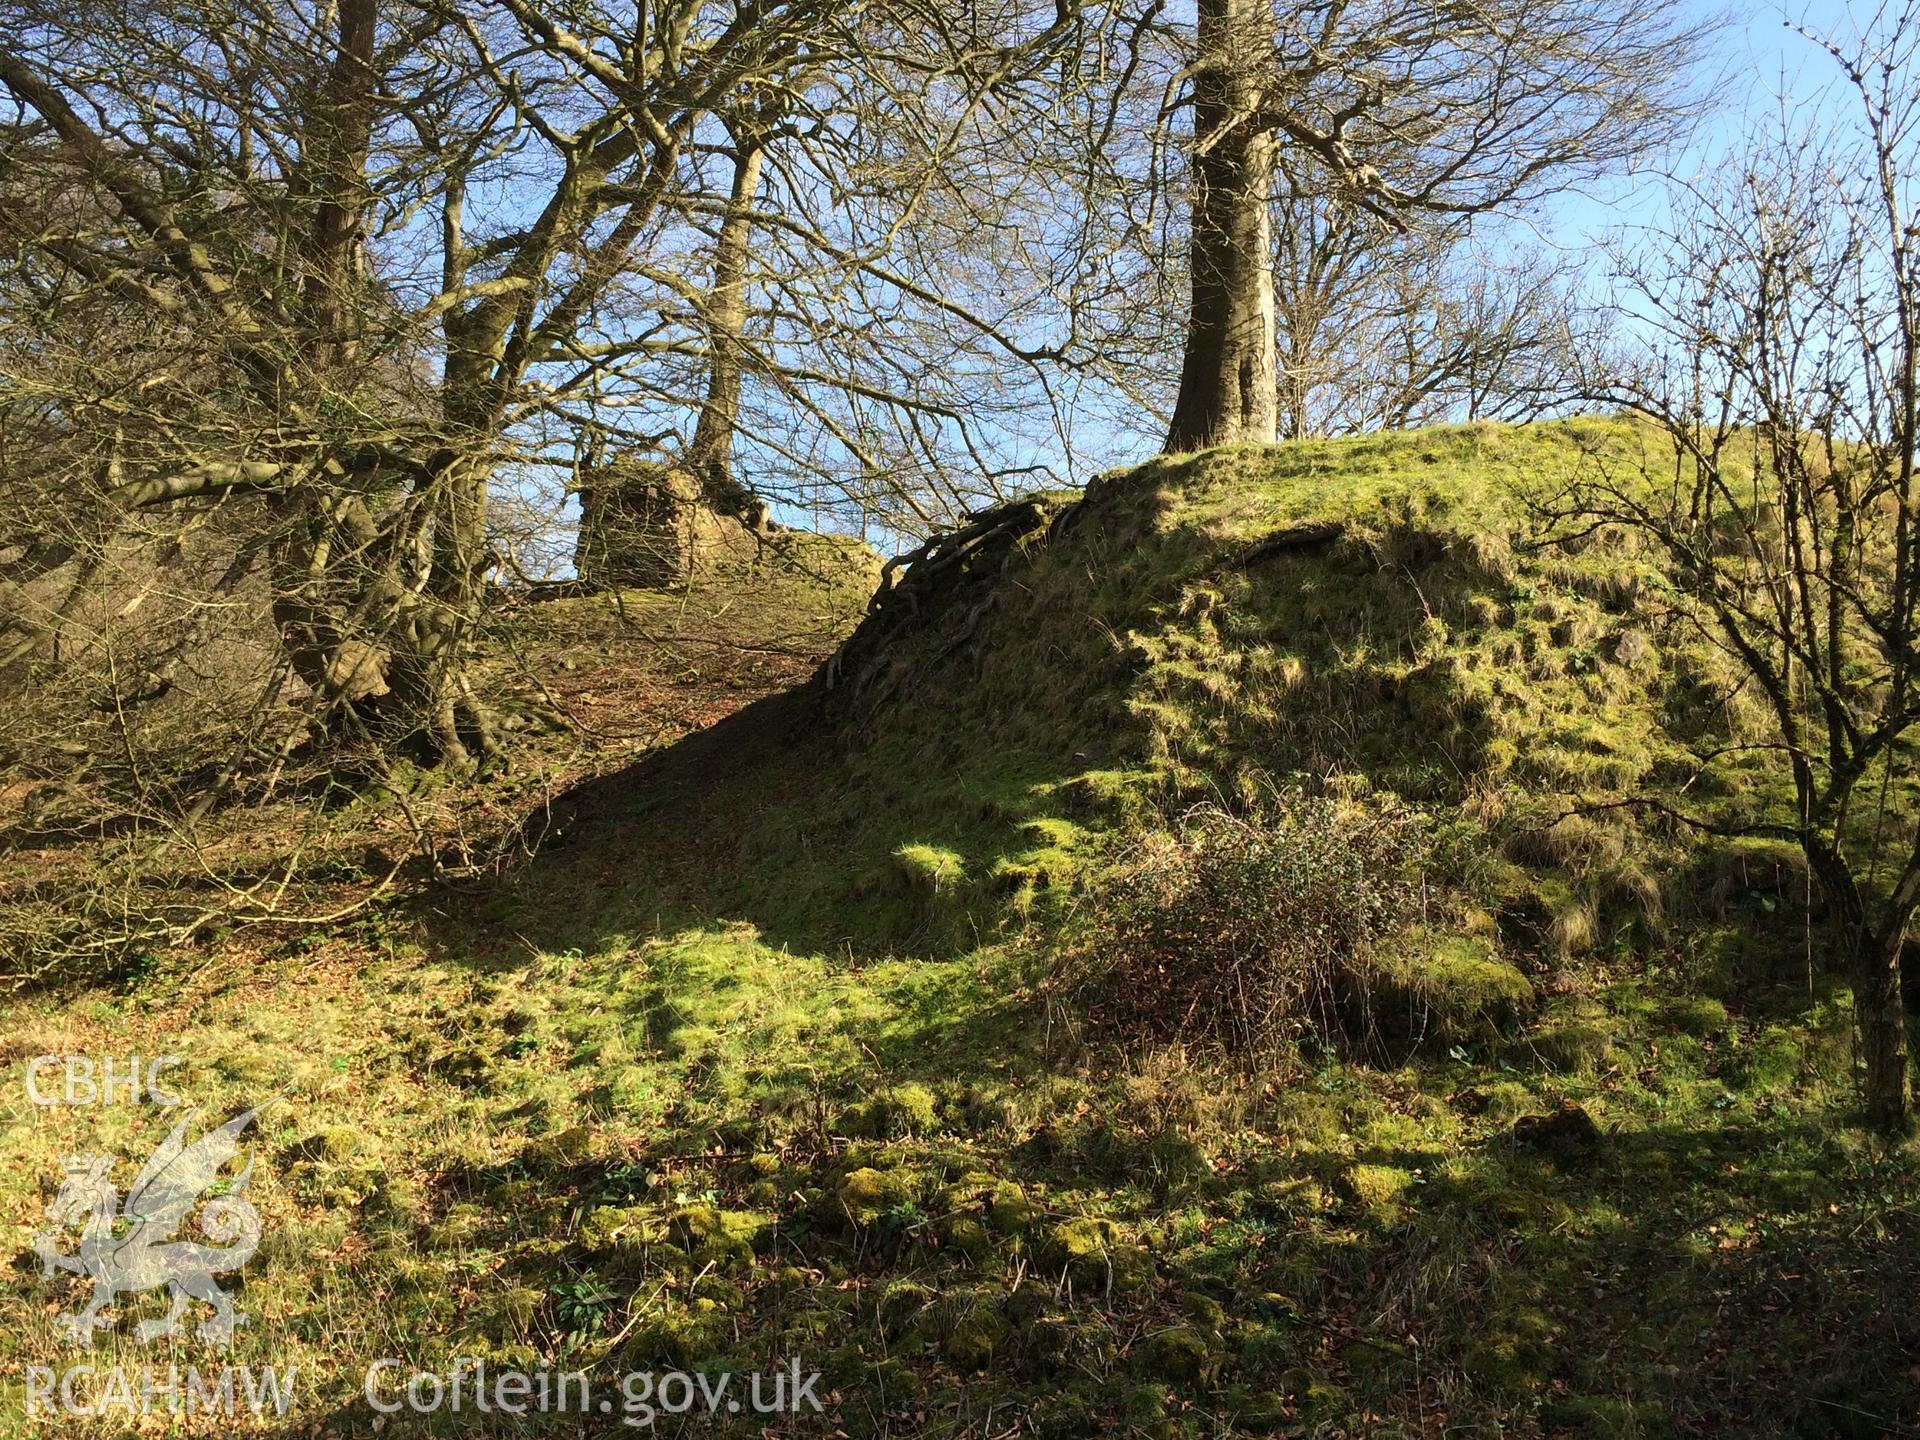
(1385, 614)
(767, 1050)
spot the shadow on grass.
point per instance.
(1756, 1279)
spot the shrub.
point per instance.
(1247, 930)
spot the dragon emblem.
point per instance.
(127, 1248)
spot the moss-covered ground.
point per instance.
(764, 1051)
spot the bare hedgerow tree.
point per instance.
(904, 323)
(1781, 310)
(710, 453)
(1401, 107)
(388, 248)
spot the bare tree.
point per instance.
(710, 455)
(1227, 369)
(1385, 329)
(294, 198)
(1401, 107)
(1782, 306)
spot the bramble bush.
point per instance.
(1250, 930)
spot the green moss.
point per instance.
(1094, 1255)
(507, 1314)
(966, 1235)
(712, 984)
(1204, 1310)
(1178, 1157)
(1498, 1102)
(1378, 1190)
(972, 1336)
(1009, 1210)
(902, 1304)
(1572, 1047)
(1514, 1351)
(1053, 863)
(565, 1147)
(681, 1336)
(1698, 1015)
(1769, 1062)
(1122, 796)
(617, 1227)
(1323, 1402)
(1180, 1354)
(333, 1143)
(1306, 1117)
(1083, 1235)
(910, 1109)
(468, 1066)
(866, 1194)
(1447, 988)
(930, 869)
(899, 1111)
(709, 1229)
(398, 1205)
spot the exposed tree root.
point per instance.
(1293, 537)
(944, 587)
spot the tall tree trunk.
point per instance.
(329, 596)
(710, 457)
(336, 140)
(1879, 1010)
(1227, 377)
(434, 707)
(326, 604)
(1881, 1018)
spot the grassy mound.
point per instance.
(1378, 615)
(765, 1054)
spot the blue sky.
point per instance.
(1754, 65)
